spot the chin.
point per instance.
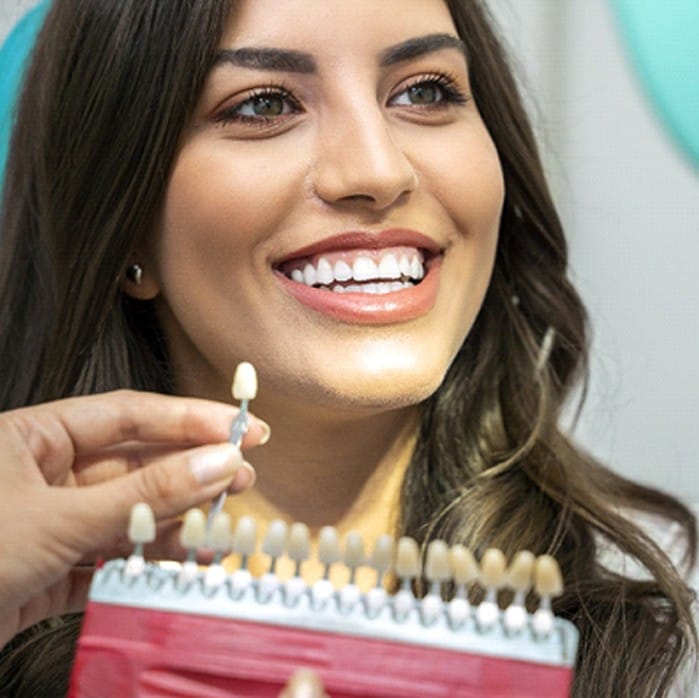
(387, 384)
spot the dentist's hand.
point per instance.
(71, 470)
(304, 684)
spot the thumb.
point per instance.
(304, 683)
(170, 484)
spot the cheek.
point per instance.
(468, 181)
(219, 205)
(470, 188)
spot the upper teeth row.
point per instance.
(363, 269)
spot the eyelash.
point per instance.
(450, 94)
(233, 115)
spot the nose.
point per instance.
(360, 162)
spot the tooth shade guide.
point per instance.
(312, 569)
(236, 598)
(142, 527)
(548, 581)
(244, 386)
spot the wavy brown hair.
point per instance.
(109, 91)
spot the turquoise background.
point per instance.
(13, 55)
(663, 39)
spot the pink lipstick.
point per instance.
(365, 278)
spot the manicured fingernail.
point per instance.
(244, 478)
(266, 432)
(215, 463)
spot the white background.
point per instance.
(629, 200)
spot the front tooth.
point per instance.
(388, 267)
(383, 287)
(364, 269)
(353, 288)
(297, 275)
(342, 271)
(416, 270)
(338, 288)
(324, 272)
(369, 288)
(309, 275)
(404, 265)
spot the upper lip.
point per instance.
(362, 239)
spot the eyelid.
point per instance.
(453, 91)
(227, 113)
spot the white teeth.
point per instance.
(325, 272)
(343, 271)
(416, 270)
(373, 288)
(364, 269)
(388, 267)
(388, 275)
(309, 275)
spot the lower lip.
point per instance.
(370, 309)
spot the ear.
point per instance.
(139, 282)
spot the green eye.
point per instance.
(430, 92)
(264, 105)
(426, 93)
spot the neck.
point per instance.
(345, 471)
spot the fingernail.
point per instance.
(215, 463)
(244, 478)
(266, 432)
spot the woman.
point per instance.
(195, 184)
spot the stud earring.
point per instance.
(134, 273)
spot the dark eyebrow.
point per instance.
(267, 59)
(291, 61)
(414, 48)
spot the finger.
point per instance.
(304, 683)
(97, 421)
(95, 468)
(171, 485)
(58, 431)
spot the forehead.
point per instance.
(334, 27)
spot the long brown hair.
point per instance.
(109, 91)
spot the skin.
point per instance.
(355, 153)
(70, 472)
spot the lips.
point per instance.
(375, 278)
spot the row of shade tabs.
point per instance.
(450, 573)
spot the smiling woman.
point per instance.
(352, 199)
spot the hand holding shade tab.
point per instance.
(244, 388)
